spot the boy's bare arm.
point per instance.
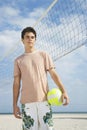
(16, 90)
(58, 82)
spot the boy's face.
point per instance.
(29, 39)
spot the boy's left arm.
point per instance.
(58, 82)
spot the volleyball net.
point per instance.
(63, 28)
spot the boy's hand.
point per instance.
(65, 99)
(16, 112)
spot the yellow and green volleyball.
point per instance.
(54, 97)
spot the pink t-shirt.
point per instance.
(33, 69)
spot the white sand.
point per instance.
(61, 122)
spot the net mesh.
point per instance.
(62, 29)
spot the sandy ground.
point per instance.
(61, 122)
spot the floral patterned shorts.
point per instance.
(37, 116)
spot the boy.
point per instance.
(31, 68)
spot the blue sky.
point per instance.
(14, 16)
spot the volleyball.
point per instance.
(54, 97)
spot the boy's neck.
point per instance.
(29, 50)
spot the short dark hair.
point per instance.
(28, 29)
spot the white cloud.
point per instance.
(8, 40)
(83, 53)
(75, 58)
(14, 16)
(7, 11)
(30, 20)
(5, 86)
(37, 12)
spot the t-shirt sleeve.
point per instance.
(16, 69)
(49, 62)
